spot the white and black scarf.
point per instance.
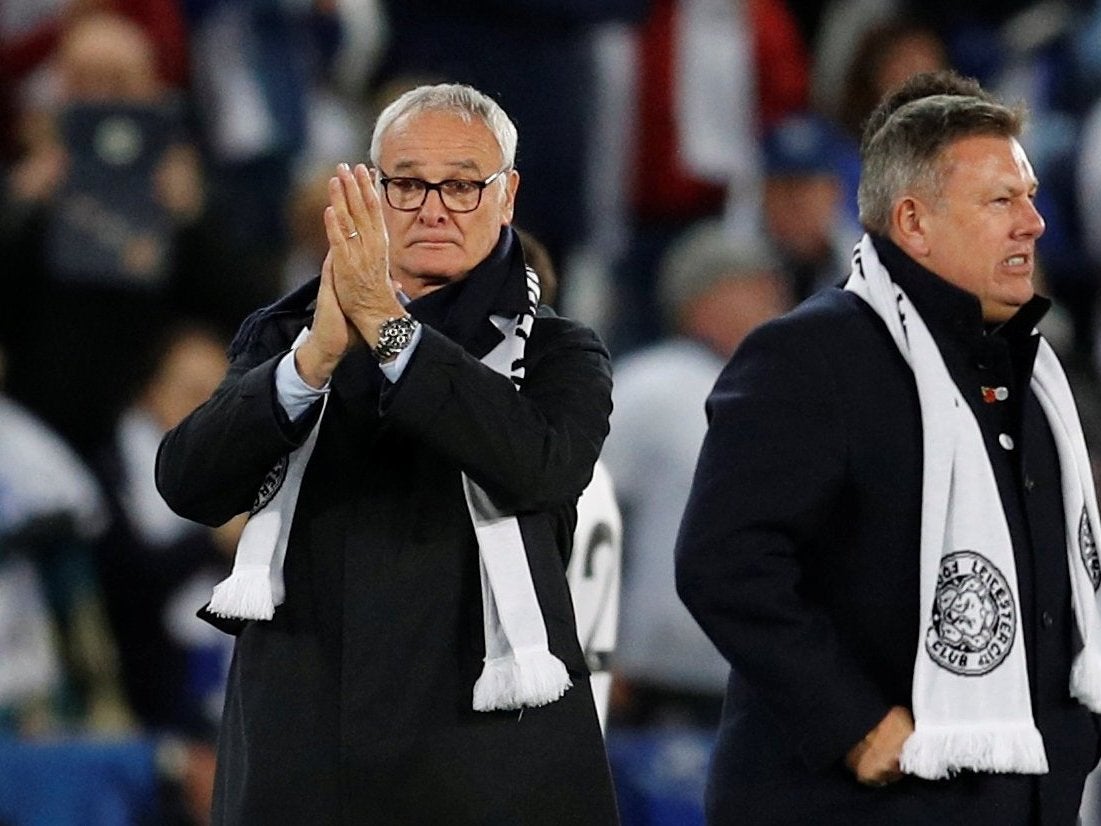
(971, 700)
(519, 668)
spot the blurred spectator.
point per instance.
(887, 53)
(306, 231)
(154, 565)
(539, 259)
(1088, 193)
(594, 574)
(260, 70)
(91, 218)
(1040, 63)
(713, 290)
(595, 567)
(60, 669)
(69, 752)
(30, 31)
(252, 68)
(69, 749)
(842, 25)
(276, 97)
(684, 99)
(803, 211)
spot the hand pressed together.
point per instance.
(356, 293)
(358, 247)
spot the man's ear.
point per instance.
(909, 218)
(512, 183)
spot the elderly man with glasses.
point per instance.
(410, 433)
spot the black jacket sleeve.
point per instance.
(532, 450)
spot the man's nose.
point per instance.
(433, 210)
(1032, 222)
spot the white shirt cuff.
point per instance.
(291, 390)
(393, 369)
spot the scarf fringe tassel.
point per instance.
(941, 752)
(1085, 679)
(526, 678)
(245, 594)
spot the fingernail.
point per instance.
(345, 167)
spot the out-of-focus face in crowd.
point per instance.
(107, 58)
(187, 376)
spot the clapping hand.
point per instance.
(358, 250)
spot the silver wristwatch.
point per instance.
(394, 335)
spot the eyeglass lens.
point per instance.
(411, 193)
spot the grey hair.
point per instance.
(465, 102)
(905, 153)
(701, 257)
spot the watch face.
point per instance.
(398, 333)
(394, 336)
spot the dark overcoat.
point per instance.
(353, 705)
(799, 550)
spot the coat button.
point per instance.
(1030, 483)
(1006, 441)
(1047, 619)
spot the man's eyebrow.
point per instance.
(466, 164)
(1024, 187)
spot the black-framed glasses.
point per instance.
(457, 194)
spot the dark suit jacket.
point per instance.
(798, 555)
(354, 704)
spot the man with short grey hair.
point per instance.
(410, 433)
(891, 528)
(713, 289)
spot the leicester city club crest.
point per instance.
(270, 486)
(974, 616)
(1087, 547)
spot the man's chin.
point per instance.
(998, 312)
(427, 272)
(415, 286)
